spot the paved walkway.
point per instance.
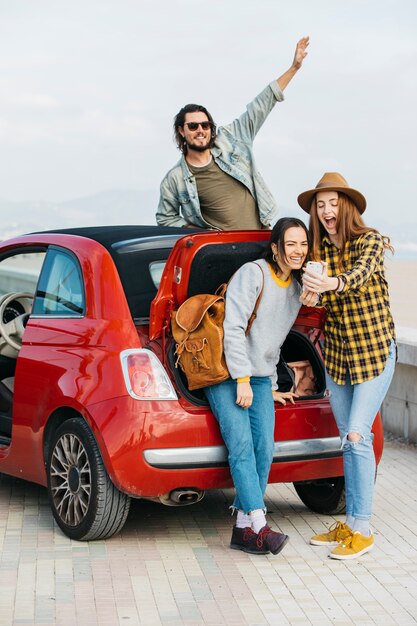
(173, 566)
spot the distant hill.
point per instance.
(403, 236)
(132, 206)
(116, 206)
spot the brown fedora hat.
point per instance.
(332, 181)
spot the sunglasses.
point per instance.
(195, 125)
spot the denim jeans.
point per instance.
(355, 408)
(249, 438)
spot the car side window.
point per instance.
(155, 269)
(60, 289)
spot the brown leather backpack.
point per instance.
(197, 327)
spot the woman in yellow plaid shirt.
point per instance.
(359, 347)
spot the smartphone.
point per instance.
(314, 266)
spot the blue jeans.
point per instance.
(249, 438)
(355, 408)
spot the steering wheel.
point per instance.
(12, 331)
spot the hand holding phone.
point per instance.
(314, 266)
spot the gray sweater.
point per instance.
(258, 353)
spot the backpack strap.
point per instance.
(258, 300)
(221, 291)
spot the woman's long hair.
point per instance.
(278, 237)
(349, 226)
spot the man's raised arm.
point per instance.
(299, 56)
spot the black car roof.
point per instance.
(135, 248)
(110, 235)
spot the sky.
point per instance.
(90, 88)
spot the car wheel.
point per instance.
(326, 495)
(85, 503)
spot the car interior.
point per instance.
(19, 272)
(15, 309)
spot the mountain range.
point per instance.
(132, 206)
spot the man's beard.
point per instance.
(198, 148)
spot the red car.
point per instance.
(91, 404)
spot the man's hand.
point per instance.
(300, 52)
(299, 56)
(244, 395)
(281, 397)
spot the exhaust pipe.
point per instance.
(182, 496)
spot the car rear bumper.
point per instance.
(151, 448)
(216, 456)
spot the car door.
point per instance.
(66, 343)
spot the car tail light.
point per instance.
(145, 377)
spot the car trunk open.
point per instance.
(200, 264)
(297, 347)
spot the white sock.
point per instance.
(362, 526)
(243, 520)
(350, 520)
(258, 519)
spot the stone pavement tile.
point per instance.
(353, 601)
(189, 612)
(231, 613)
(161, 591)
(6, 613)
(25, 592)
(105, 601)
(81, 569)
(200, 588)
(145, 601)
(174, 566)
(210, 612)
(178, 582)
(308, 603)
(190, 565)
(324, 600)
(44, 609)
(97, 549)
(402, 607)
(175, 573)
(85, 603)
(271, 598)
(291, 609)
(256, 612)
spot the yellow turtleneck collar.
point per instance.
(279, 281)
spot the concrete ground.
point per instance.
(173, 566)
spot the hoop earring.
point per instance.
(274, 257)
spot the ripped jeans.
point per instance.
(355, 408)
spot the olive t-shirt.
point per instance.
(224, 201)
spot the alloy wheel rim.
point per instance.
(70, 479)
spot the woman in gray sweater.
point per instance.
(244, 404)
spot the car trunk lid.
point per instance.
(199, 263)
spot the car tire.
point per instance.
(85, 503)
(326, 495)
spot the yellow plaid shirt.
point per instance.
(359, 327)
